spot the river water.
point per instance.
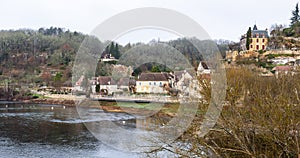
(38, 130)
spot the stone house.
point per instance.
(259, 40)
(152, 83)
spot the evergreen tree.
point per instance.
(107, 50)
(117, 51)
(111, 49)
(248, 38)
(114, 50)
(295, 18)
(97, 88)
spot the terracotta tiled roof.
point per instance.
(153, 77)
(282, 68)
(106, 80)
(205, 76)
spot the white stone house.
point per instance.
(183, 80)
(152, 83)
(203, 69)
(107, 85)
(78, 85)
(187, 83)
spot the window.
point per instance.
(160, 83)
(263, 47)
(154, 83)
(140, 83)
(251, 46)
(263, 40)
(257, 40)
(150, 83)
(257, 47)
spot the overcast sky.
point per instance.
(222, 19)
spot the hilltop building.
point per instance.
(259, 40)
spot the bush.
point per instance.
(261, 51)
(262, 64)
(260, 118)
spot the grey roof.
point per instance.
(255, 27)
(261, 33)
(204, 65)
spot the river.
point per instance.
(39, 130)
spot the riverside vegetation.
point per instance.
(261, 118)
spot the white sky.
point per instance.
(222, 19)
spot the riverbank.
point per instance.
(67, 100)
(145, 109)
(137, 98)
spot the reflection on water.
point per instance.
(31, 130)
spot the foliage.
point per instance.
(97, 88)
(226, 45)
(151, 67)
(184, 46)
(58, 76)
(294, 29)
(28, 50)
(286, 37)
(155, 69)
(262, 64)
(23, 52)
(272, 56)
(276, 30)
(260, 118)
(261, 51)
(296, 17)
(112, 49)
(104, 69)
(248, 38)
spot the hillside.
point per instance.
(28, 56)
(45, 56)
